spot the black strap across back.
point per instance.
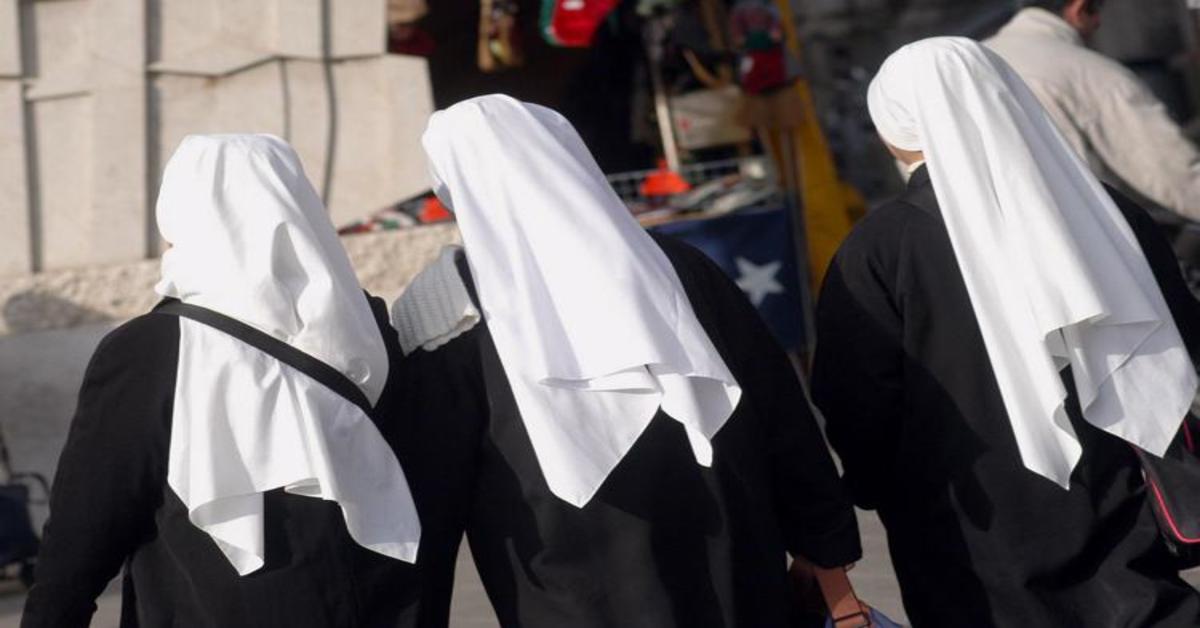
(326, 375)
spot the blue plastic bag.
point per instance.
(878, 620)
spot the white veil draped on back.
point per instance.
(1054, 272)
(590, 320)
(250, 239)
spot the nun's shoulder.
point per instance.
(890, 229)
(143, 333)
(147, 344)
(685, 257)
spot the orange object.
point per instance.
(664, 182)
(432, 210)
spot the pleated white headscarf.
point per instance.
(1054, 272)
(590, 320)
(250, 239)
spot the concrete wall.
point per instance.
(62, 299)
(96, 94)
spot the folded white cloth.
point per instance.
(590, 320)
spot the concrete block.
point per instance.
(10, 38)
(181, 105)
(15, 250)
(309, 124)
(118, 198)
(215, 60)
(298, 28)
(249, 23)
(252, 101)
(360, 141)
(63, 47)
(356, 28)
(62, 63)
(410, 97)
(382, 104)
(245, 102)
(213, 38)
(63, 141)
(182, 27)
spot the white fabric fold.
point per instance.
(435, 307)
(1054, 272)
(250, 239)
(589, 318)
(253, 424)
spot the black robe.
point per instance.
(665, 542)
(913, 409)
(111, 507)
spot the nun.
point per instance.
(603, 411)
(224, 453)
(991, 346)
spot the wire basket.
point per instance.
(628, 185)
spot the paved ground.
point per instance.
(873, 579)
(40, 372)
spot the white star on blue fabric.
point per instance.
(758, 281)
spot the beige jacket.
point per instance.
(1103, 110)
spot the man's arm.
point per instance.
(1131, 131)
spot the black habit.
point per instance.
(913, 409)
(665, 542)
(111, 507)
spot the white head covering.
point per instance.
(250, 239)
(1054, 272)
(589, 317)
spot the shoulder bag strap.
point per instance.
(326, 375)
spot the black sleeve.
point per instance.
(858, 367)
(816, 515)
(438, 431)
(111, 473)
(1185, 309)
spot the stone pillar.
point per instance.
(16, 256)
(119, 210)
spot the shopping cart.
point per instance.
(18, 541)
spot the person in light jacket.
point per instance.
(1105, 113)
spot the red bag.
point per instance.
(573, 23)
(1173, 488)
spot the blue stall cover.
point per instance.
(755, 248)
